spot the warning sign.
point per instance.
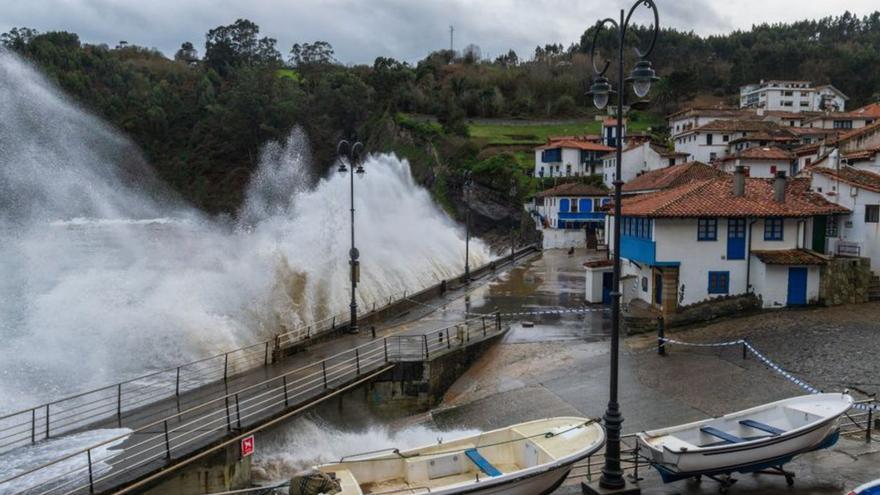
(247, 446)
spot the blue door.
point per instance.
(585, 205)
(736, 238)
(797, 286)
(607, 284)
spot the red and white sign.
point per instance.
(247, 446)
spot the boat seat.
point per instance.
(481, 462)
(715, 432)
(751, 423)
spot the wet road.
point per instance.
(559, 366)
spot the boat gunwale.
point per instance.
(518, 475)
(643, 437)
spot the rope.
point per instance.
(768, 362)
(400, 455)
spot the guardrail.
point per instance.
(76, 412)
(160, 442)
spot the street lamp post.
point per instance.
(468, 183)
(351, 153)
(641, 78)
(512, 220)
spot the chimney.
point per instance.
(739, 182)
(779, 187)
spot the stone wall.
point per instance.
(845, 281)
(702, 312)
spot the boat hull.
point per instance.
(674, 466)
(542, 483)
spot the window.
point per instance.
(872, 213)
(707, 229)
(725, 138)
(713, 156)
(843, 124)
(719, 282)
(709, 139)
(773, 229)
(640, 228)
(831, 226)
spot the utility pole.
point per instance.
(451, 39)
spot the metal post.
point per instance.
(177, 383)
(357, 360)
(324, 371)
(228, 417)
(497, 321)
(225, 366)
(870, 424)
(266, 360)
(167, 441)
(661, 336)
(427, 354)
(612, 474)
(47, 420)
(33, 426)
(467, 229)
(91, 474)
(484, 326)
(745, 350)
(448, 342)
(119, 405)
(385, 344)
(237, 412)
(284, 383)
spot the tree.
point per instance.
(472, 54)
(509, 59)
(18, 38)
(317, 53)
(187, 53)
(239, 44)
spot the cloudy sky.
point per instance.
(360, 30)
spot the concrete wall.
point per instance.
(758, 168)
(221, 471)
(564, 238)
(695, 145)
(770, 283)
(593, 290)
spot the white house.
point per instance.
(569, 157)
(859, 191)
(710, 142)
(570, 215)
(690, 118)
(637, 159)
(840, 120)
(730, 235)
(762, 162)
(792, 96)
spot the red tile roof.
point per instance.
(599, 264)
(780, 136)
(573, 189)
(870, 110)
(862, 155)
(853, 176)
(741, 125)
(790, 257)
(673, 176)
(714, 198)
(858, 132)
(771, 153)
(576, 144)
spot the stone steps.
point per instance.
(874, 288)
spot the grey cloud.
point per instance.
(361, 30)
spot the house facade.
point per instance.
(570, 215)
(762, 162)
(569, 157)
(840, 120)
(711, 142)
(637, 159)
(721, 237)
(792, 96)
(859, 191)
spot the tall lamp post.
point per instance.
(512, 220)
(351, 152)
(641, 78)
(468, 183)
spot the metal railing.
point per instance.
(156, 444)
(859, 422)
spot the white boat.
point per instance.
(753, 440)
(525, 459)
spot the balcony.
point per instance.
(638, 249)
